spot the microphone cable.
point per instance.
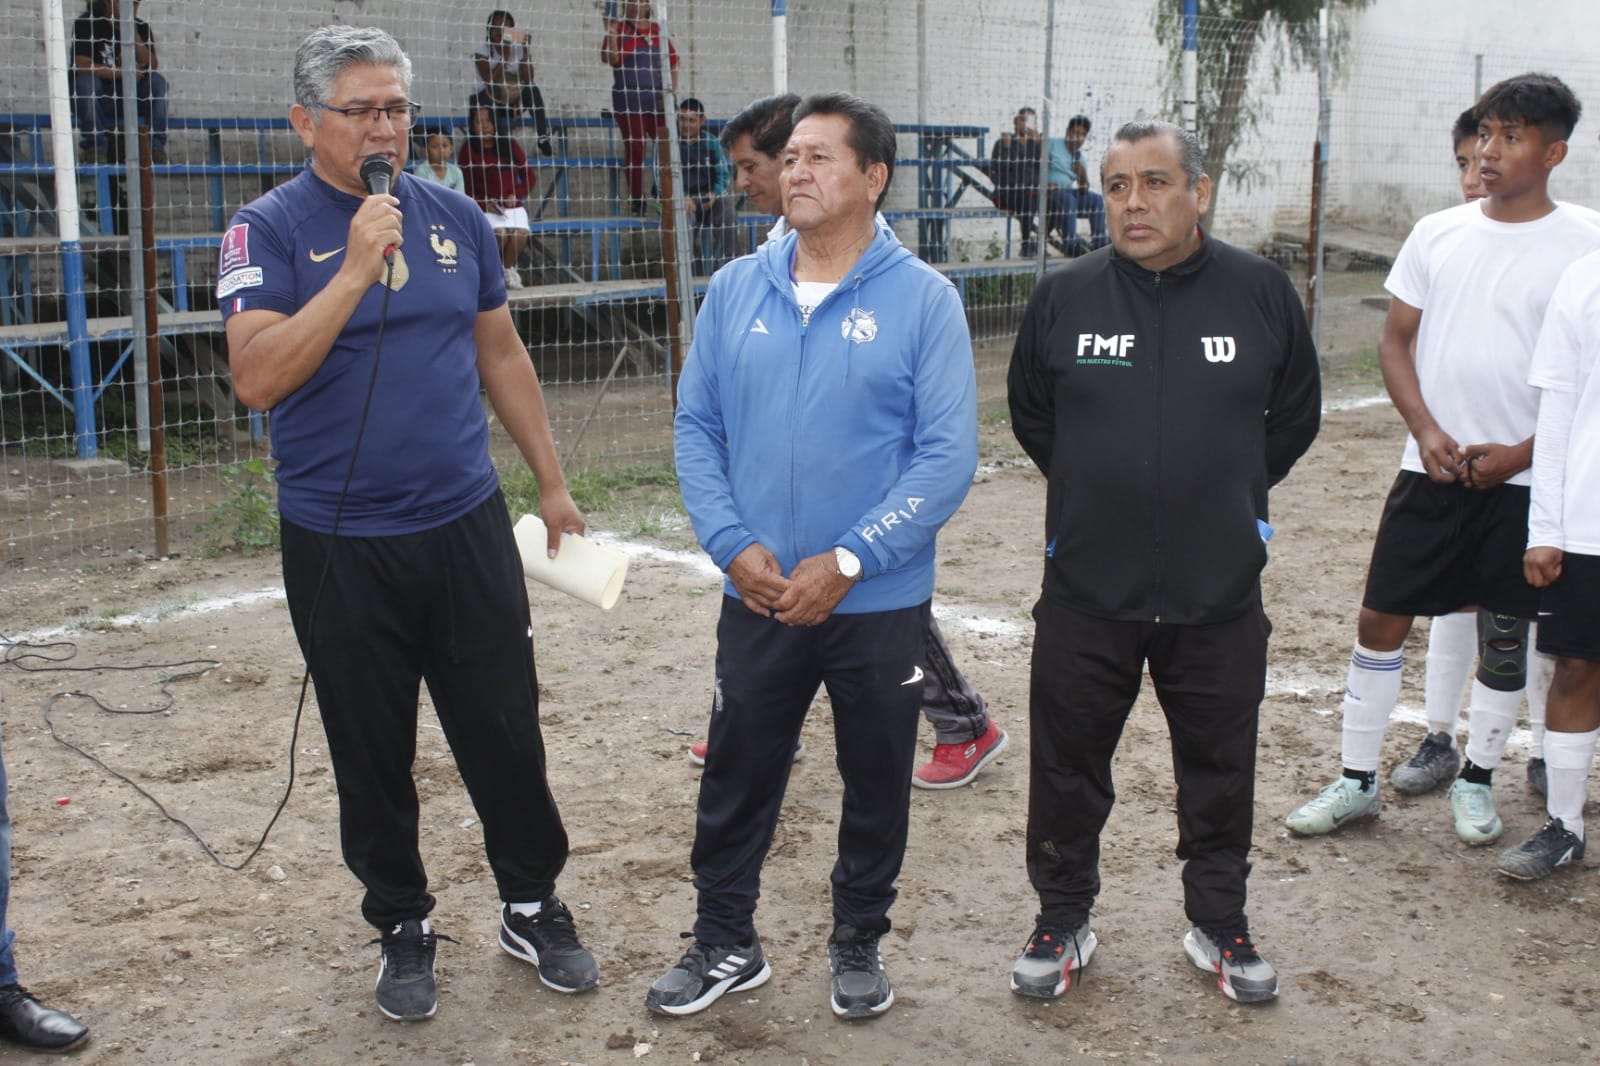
(327, 562)
(204, 666)
(367, 177)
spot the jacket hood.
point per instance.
(777, 260)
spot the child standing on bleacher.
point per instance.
(439, 168)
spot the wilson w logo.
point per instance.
(1219, 349)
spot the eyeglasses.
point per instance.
(401, 116)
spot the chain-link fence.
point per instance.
(119, 431)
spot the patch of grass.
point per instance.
(247, 518)
(591, 489)
(1365, 364)
(629, 501)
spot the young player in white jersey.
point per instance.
(1453, 638)
(1563, 560)
(1470, 288)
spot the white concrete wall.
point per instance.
(1409, 72)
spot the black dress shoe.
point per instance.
(27, 1022)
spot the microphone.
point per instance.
(377, 174)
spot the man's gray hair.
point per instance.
(328, 51)
(1190, 155)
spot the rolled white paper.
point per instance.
(591, 572)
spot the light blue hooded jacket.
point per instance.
(859, 429)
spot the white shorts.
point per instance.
(515, 218)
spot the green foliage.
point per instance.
(1230, 109)
(246, 519)
(596, 489)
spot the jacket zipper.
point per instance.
(1161, 344)
(794, 415)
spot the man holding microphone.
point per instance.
(398, 555)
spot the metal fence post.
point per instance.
(1046, 106)
(1319, 189)
(69, 222)
(682, 293)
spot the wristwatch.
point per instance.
(849, 565)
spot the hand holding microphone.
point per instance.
(375, 231)
(377, 174)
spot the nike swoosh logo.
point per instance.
(320, 257)
(1340, 819)
(914, 679)
(759, 327)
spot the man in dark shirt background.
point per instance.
(97, 80)
(705, 182)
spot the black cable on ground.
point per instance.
(22, 654)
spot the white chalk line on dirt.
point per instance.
(1327, 691)
(1298, 685)
(698, 562)
(1356, 403)
(156, 614)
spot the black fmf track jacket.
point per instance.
(1161, 407)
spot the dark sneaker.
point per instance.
(406, 988)
(26, 1022)
(1552, 846)
(1437, 760)
(705, 974)
(549, 941)
(1538, 778)
(1044, 969)
(860, 986)
(1242, 974)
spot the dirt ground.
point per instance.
(1394, 942)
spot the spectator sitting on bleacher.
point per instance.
(705, 181)
(1014, 169)
(97, 81)
(632, 48)
(1070, 195)
(438, 167)
(498, 178)
(505, 78)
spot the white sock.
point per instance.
(1491, 716)
(1567, 758)
(1452, 649)
(1370, 693)
(527, 910)
(1541, 668)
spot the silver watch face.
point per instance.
(849, 565)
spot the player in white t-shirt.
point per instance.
(1470, 288)
(1563, 560)
(1453, 638)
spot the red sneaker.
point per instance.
(697, 752)
(954, 765)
